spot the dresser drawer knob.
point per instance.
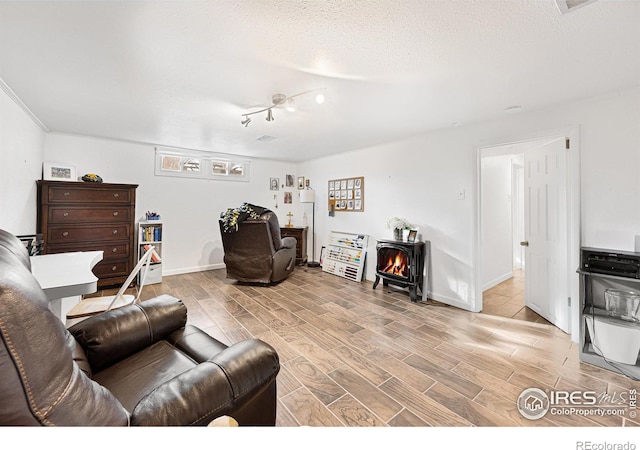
(65, 233)
(66, 194)
(114, 268)
(115, 213)
(116, 195)
(114, 249)
(65, 214)
(115, 231)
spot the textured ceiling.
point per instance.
(181, 73)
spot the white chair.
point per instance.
(96, 305)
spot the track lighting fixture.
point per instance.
(280, 100)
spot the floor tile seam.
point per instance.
(304, 387)
(346, 392)
(367, 381)
(417, 413)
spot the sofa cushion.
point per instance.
(133, 378)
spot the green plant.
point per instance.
(231, 217)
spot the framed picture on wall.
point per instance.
(346, 195)
(300, 182)
(58, 172)
(289, 182)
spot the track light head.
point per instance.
(279, 101)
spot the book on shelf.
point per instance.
(152, 234)
(155, 257)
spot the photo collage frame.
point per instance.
(346, 194)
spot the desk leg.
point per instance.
(61, 306)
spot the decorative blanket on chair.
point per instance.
(233, 216)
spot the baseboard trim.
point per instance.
(497, 281)
(184, 270)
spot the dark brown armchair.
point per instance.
(255, 252)
(137, 365)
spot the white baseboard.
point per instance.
(183, 270)
(497, 281)
(451, 301)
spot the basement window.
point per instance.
(195, 164)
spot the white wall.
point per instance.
(496, 241)
(420, 177)
(189, 208)
(21, 156)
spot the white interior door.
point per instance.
(546, 232)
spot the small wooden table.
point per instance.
(65, 277)
(300, 233)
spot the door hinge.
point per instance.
(567, 143)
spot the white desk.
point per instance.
(65, 277)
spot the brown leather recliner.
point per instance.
(136, 365)
(255, 252)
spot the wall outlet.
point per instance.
(461, 194)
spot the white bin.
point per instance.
(615, 339)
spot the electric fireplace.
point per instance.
(400, 264)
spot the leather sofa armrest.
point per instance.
(289, 242)
(114, 335)
(219, 386)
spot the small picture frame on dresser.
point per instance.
(413, 234)
(58, 172)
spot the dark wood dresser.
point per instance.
(79, 216)
(300, 233)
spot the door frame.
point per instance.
(573, 217)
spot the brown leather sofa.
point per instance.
(136, 365)
(255, 252)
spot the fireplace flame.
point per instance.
(397, 265)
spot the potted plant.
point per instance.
(398, 225)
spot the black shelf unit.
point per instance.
(602, 269)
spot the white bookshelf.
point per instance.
(150, 233)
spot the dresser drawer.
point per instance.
(117, 250)
(60, 214)
(88, 194)
(108, 269)
(61, 234)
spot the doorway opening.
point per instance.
(503, 262)
(526, 230)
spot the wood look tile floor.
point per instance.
(507, 300)
(352, 356)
